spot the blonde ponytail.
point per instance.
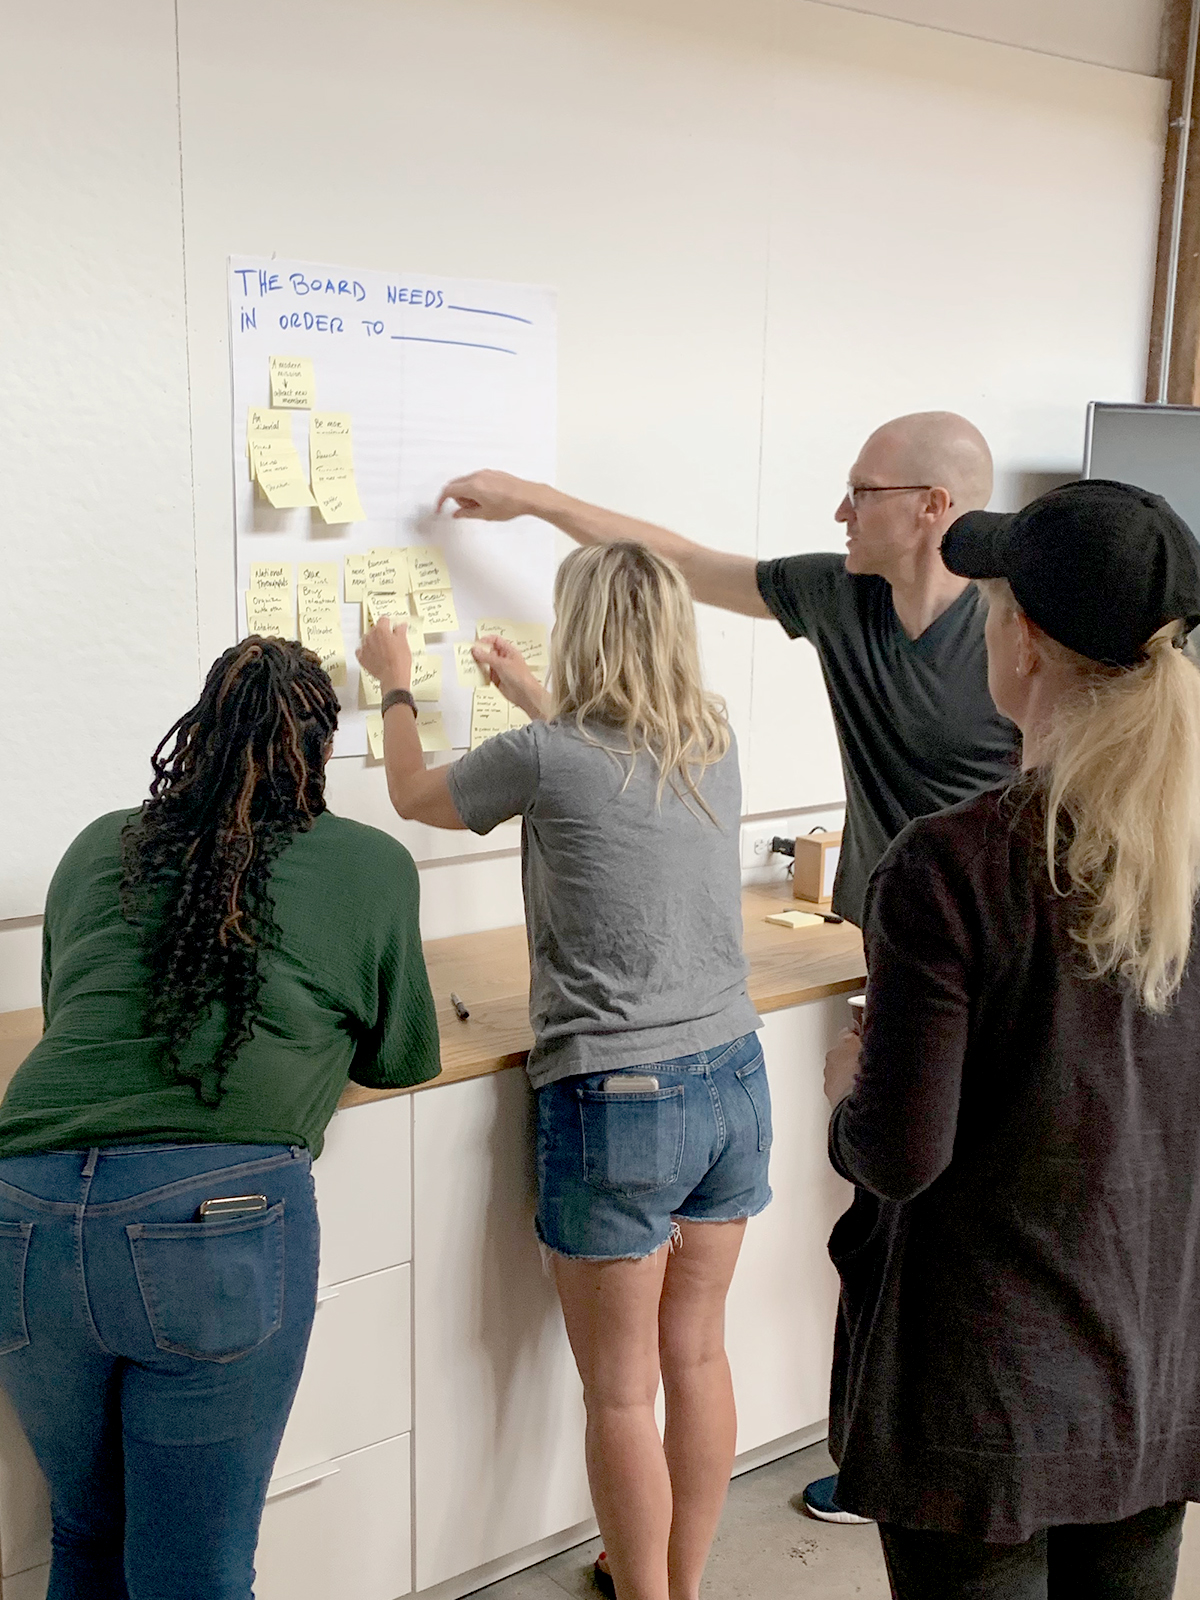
(1119, 769)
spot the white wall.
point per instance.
(771, 225)
(1113, 33)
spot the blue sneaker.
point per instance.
(819, 1502)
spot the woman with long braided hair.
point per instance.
(216, 966)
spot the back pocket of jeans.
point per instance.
(14, 1249)
(212, 1290)
(753, 1078)
(632, 1143)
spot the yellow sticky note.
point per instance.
(334, 486)
(795, 919)
(375, 734)
(321, 574)
(271, 615)
(293, 383)
(271, 577)
(436, 610)
(330, 425)
(279, 473)
(427, 567)
(432, 731)
(426, 677)
(489, 716)
(518, 718)
(321, 632)
(387, 571)
(394, 606)
(316, 599)
(354, 579)
(498, 626)
(531, 640)
(470, 674)
(369, 691)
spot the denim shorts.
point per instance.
(615, 1169)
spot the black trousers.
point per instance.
(1131, 1560)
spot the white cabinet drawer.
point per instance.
(364, 1189)
(346, 1534)
(357, 1383)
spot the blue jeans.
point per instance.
(616, 1168)
(153, 1358)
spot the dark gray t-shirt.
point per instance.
(915, 723)
(634, 909)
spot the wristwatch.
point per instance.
(398, 697)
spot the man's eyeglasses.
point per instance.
(853, 490)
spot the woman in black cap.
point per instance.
(1016, 1385)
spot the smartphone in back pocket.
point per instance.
(629, 1083)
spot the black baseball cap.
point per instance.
(1098, 565)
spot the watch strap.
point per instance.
(398, 697)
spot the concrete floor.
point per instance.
(767, 1548)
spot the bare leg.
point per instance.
(611, 1311)
(701, 1431)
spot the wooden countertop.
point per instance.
(490, 973)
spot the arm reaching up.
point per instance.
(716, 577)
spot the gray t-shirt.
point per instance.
(634, 910)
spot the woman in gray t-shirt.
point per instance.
(654, 1118)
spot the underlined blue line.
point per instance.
(481, 311)
(414, 338)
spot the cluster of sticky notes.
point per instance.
(491, 713)
(321, 616)
(275, 463)
(331, 467)
(406, 584)
(271, 600)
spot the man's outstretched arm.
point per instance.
(715, 576)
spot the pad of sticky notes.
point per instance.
(795, 919)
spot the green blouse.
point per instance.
(345, 996)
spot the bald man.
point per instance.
(899, 637)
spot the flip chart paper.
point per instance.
(415, 379)
(293, 383)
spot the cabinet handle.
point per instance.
(303, 1479)
(327, 1294)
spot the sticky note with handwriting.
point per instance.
(432, 732)
(271, 615)
(333, 483)
(264, 423)
(375, 734)
(387, 571)
(518, 718)
(427, 567)
(369, 691)
(426, 677)
(436, 610)
(330, 425)
(470, 674)
(321, 632)
(489, 715)
(275, 577)
(323, 573)
(354, 580)
(293, 383)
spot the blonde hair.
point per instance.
(1120, 767)
(624, 653)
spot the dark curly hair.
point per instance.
(245, 774)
